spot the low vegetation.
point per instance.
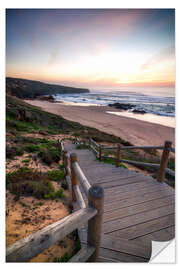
(28, 182)
(67, 256)
(56, 175)
(22, 117)
(51, 185)
(31, 89)
(113, 162)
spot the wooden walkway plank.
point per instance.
(124, 202)
(121, 245)
(134, 193)
(143, 229)
(112, 255)
(132, 220)
(137, 210)
(135, 187)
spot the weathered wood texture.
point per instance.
(118, 155)
(137, 209)
(74, 178)
(164, 161)
(79, 197)
(84, 254)
(29, 247)
(133, 147)
(81, 177)
(96, 200)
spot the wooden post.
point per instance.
(74, 178)
(65, 162)
(118, 155)
(100, 153)
(96, 200)
(164, 161)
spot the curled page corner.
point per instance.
(163, 252)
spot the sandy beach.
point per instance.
(135, 131)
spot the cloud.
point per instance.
(54, 56)
(164, 55)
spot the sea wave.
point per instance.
(158, 105)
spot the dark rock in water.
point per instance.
(122, 106)
(138, 111)
(46, 98)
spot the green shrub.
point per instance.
(122, 165)
(19, 151)
(31, 148)
(61, 166)
(26, 160)
(56, 175)
(64, 184)
(55, 154)
(59, 194)
(77, 247)
(55, 195)
(65, 257)
(49, 155)
(30, 183)
(113, 162)
(13, 151)
(45, 156)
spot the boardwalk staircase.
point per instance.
(118, 212)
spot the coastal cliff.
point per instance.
(23, 88)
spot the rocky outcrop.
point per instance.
(122, 106)
(46, 98)
(138, 111)
(22, 88)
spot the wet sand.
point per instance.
(135, 131)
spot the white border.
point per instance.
(70, 4)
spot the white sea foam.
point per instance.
(156, 105)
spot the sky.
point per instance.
(92, 48)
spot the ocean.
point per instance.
(155, 106)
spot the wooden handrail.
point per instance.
(94, 149)
(172, 149)
(164, 161)
(79, 197)
(109, 147)
(161, 166)
(96, 200)
(143, 147)
(81, 177)
(30, 246)
(133, 147)
(170, 172)
(97, 144)
(153, 165)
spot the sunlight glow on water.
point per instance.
(152, 118)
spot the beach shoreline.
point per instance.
(136, 131)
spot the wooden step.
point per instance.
(147, 227)
(121, 245)
(137, 208)
(133, 220)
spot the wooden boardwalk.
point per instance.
(137, 210)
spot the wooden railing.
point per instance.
(162, 167)
(29, 247)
